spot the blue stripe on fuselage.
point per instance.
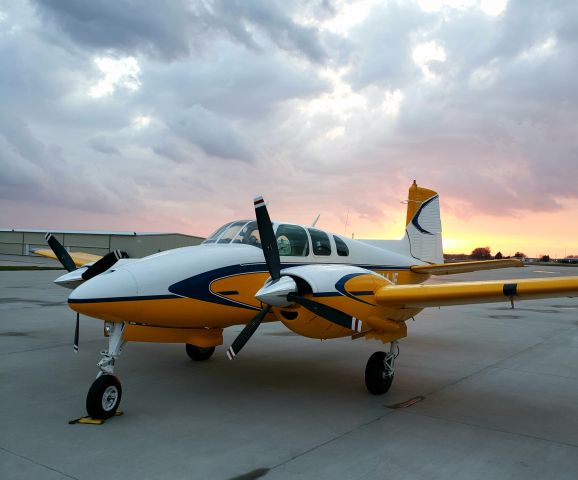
(198, 286)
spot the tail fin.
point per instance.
(423, 224)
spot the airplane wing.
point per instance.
(463, 293)
(464, 267)
(79, 258)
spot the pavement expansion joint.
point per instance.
(23, 457)
(491, 429)
(331, 440)
(497, 364)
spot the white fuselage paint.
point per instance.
(153, 275)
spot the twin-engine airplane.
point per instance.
(318, 284)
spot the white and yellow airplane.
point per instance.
(318, 284)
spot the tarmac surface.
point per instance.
(500, 390)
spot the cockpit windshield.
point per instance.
(231, 231)
(242, 231)
(212, 238)
(249, 235)
(292, 240)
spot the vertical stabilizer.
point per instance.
(424, 226)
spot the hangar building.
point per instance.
(136, 244)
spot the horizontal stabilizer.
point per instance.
(463, 293)
(79, 258)
(464, 267)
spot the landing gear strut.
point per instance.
(380, 370)
(105, 393)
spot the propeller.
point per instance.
(286, 289)
(103, 264)
(247, 333)
(328, 313)
(268, 240)
(95, 269)
(63, 256)
(76, 332)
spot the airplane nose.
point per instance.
(108, 296)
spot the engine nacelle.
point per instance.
(347, 288)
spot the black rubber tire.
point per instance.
(376, 381)
(199, 354)
(103, 397)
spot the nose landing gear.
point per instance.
(105, 393)
(380, 370)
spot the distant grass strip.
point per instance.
(12, 268)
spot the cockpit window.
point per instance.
(231, 231)
(341, 246)
(212, 238)
(292, 241)
(249, 235)
(320, 240)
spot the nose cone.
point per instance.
(275, 292)
(108, 296)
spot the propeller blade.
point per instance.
(103, 264)
(76, 331)
(63, 256)
(268, 240)
(328, 313)
(247, 333)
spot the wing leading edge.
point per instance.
(79, 258)
(463, 293)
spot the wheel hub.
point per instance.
(109, 398)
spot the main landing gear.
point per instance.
(105, 393)
(380, 370)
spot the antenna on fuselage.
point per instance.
(315, 221)
(346, 222)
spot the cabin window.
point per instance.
(231, 231)
(341, 247)
(320, 240)
(292, 241)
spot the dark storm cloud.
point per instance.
(226, 86)
(214, 136)
(148, 26)
(171, 30)
(384, 46)
(37, 172)
(233, 16)
(100, 144)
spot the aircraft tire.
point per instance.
(199, 354)
(376, 380)
(103, 397)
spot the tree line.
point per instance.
(485, 253)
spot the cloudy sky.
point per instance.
(171, 116)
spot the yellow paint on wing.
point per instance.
(79, 258)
